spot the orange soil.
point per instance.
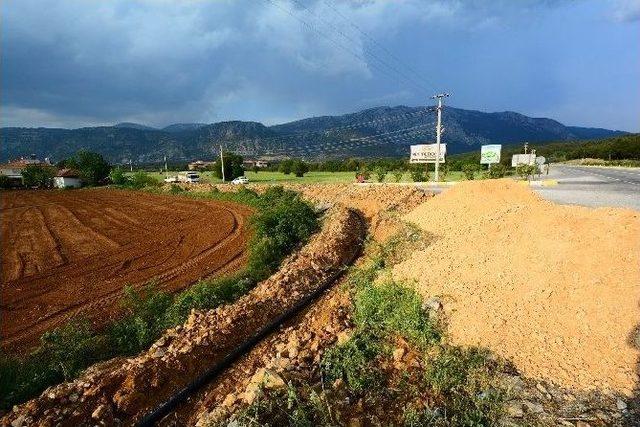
(69, 253)
(553, 288)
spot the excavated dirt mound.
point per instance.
(379, 204)
(553, 288)
(123, 391)
(67, 253)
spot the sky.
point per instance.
(86, 62)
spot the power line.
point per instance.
(355, 143)
(418, 75)
(333, 41)
(408, 78)
(278, 138)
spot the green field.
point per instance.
(308, 178)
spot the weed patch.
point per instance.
(393, 308)
(353, 362)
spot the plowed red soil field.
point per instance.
(70, 253)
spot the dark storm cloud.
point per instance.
(73, 63)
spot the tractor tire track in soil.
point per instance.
(67, 254)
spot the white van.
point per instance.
(190, 177)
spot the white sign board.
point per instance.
(490, 154)
(427, 153)
(541, 160)
(523, 159)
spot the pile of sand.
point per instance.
(555, 289)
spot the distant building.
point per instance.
(67, 178)
(199, 165)
(249, 164)
(13, 169)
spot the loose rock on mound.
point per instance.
(553, 288)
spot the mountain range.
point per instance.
(375, 132)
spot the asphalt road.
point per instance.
(594, 186)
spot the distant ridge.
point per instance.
(129, 125)
(183, 127)
(374, 132)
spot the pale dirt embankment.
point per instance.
(555, 289)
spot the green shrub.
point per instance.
(299, 168)
(464, 380)
(40, 176)
(206, 295)
(394, 308)
(144, 321)
(282, 221)
(141, 179)
(381, 173)
(526, 171)
(397, 175)
(63, 353)
(419, 173)
(353, 362)
(497, 170)
(5, 181)
(176, 189)
(469, 170)
(285, 407)
(286, 166)
(118, 177)
(443, 171)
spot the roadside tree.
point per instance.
(232, 167)
(299, 168)
(285, 166)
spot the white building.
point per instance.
(67, 178)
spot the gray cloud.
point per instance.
(72, 63)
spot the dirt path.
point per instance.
(70, 253)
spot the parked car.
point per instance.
(240, 180)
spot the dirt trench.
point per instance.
(122, 391)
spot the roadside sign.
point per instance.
(490, 154)
(540, 160)
(523, 159)
(426, 153)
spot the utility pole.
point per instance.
(166, 169)
(130, 165)
(222, 163)
(439, 131)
